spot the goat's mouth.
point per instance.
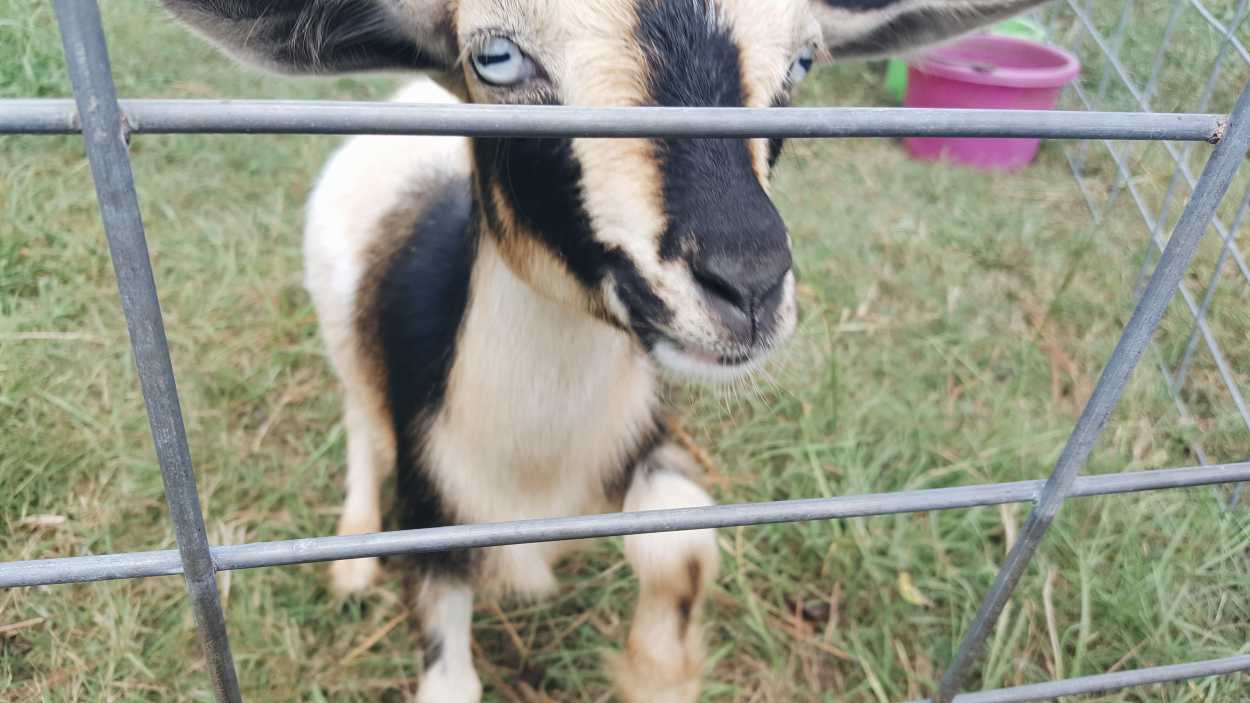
(692, 362)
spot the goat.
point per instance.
(501, 312)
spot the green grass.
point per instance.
(953, 325)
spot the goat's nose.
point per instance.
(743, 289)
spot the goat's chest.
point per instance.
(544, 408)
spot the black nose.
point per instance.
(743, 288)
(725, 226)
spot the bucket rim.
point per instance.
(1065, 68)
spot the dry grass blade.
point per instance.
(376, 636)
(1128, 656)
(511, 630)
(1007, 513)
(53, 337)
(1052, 629)
(37, 521)
(14, 628)
(687, 442)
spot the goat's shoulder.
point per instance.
(374, 188)
(366, 210)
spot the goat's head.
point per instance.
(674, 240)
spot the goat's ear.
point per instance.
(868, 28)
(327, 36)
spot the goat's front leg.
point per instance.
(663, 659)
(445, 610)
(370, 457)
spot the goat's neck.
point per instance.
(545, 407)
(524, 348)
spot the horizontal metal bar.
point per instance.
(43, 572)
(1100, 683)
(39, 116)
(54, 116)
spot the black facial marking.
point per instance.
(719, 218)
(418, 308)
(710, 188)
(693, 61)
(541, 179)
(647, 310)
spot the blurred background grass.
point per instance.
(953, 325)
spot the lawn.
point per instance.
(953, 324)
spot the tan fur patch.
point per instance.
(621, 182)
(532, 261)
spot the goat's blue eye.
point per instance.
(801, 66)
(501, 62)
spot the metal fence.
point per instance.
(107, 125)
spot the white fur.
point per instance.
(447, 613)
(678, 362)
(659, 556)
(684, 365)
(360, 184)
(663, 660)
(531, 427)
(366, 466)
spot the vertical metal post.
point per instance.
(1216, 178)
(104, 134)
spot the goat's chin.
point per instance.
(680, 363)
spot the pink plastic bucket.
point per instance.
(987, 71)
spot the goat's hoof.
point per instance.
(438, 685)
(640, 679)
(353, 575)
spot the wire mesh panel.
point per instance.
(1175, 189)
(1143, 55)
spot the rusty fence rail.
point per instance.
(107, 124)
